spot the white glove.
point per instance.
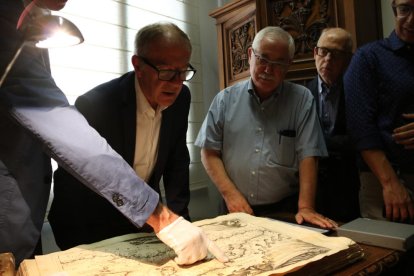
(189, 242)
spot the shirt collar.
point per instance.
(320, 82)
(396, 43)
(250, 89)
(333, 87)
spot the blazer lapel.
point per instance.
(128, 116)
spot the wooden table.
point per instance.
(377, 260)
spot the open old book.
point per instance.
(255, 246)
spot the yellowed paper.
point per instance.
(255, 246)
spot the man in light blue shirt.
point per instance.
(261, 138)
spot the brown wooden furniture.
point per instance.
(376, 260)
(7, 264)
(238, 22)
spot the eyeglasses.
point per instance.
(169, 75)
(262, 61)
(323, 52)
(402, 10)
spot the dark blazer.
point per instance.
(338, 179)
(77, 214)
(339, 140)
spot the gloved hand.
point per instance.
(189, 242)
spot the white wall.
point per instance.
(387, 17)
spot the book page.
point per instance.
(255, 246)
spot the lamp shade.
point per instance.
(52, 31)
(44, 31)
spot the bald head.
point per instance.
(339, 37)
(332, 54)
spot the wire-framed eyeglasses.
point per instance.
(262, 61)
(169, 75)
(402, 10)
(323, 52)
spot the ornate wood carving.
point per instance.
(241, 38)
(239, 20)
(303, 19)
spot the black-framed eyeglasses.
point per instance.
(323, 52)
(402, 10)
(169, 75)
(262, 61)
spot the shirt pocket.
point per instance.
(285, 148)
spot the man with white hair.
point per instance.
(261, 138)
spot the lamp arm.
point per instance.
(11, 63)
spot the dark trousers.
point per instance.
(338, 188)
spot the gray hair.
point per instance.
(276, 34)
(164, 30)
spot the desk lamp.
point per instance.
(44, 31)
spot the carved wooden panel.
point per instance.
(238, 21)
(304, 20)
(240, 39)
(236, 28)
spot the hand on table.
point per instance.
(189, 242)
(399, 206)
(236, 202)
(311, 216)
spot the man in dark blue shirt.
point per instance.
(379, 91)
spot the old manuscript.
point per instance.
(255, 246)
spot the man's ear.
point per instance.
(315, 52)
(249, 53)
(135, 62)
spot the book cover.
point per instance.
(382, 233)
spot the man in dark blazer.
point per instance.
(117, 109)
(338, 180)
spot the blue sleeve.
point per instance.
(210, 135)
(360, 83)
(80, 150)
(37, 104)
(310, 141)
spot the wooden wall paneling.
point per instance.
(236, 27)
(303, 19)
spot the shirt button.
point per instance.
(251, 195)
(253, 172)
(256, 150)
